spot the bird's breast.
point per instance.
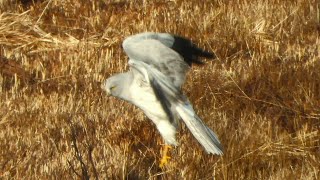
(144, 98)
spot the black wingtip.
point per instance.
(189, 51)
(206, 54)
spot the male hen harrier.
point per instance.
(158, 66)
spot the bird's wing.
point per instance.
(172, 55)
(170, 98)
(205, 136)
(184, 47)
(160, 57)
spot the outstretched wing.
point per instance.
(159, 56)
(170, 54)
(184, 47)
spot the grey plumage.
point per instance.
(158, 66)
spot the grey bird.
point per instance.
(158, 66)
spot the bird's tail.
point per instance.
(205, 136)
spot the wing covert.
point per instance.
(160, 57)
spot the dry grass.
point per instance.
(261, 96)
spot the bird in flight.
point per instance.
(158, 65)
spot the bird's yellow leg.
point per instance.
(165, 157)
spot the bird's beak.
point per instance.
(108, 93)
(105, 89)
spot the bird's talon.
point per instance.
(164, 161)
(165, 158)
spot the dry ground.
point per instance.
(261, 95)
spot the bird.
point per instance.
(158, 65)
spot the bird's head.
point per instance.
(115, 85)
(111, 86)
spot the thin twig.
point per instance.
(78, 155)
(95, 172)
(43, 12)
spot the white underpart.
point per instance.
(149, 103)
(154, 111)
(167, 131)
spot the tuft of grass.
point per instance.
(261, 94)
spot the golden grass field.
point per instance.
(261, 95)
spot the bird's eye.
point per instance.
(113, 87)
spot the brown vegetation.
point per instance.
(261, 96)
